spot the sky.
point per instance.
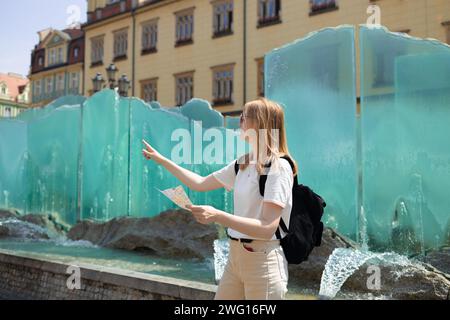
(20, 20)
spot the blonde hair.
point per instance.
(267, 118)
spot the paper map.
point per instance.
(178, 196)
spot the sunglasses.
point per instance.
(243, 118)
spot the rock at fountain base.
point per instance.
(30, 226)
(173, 233)
(7, 214)
(440, 259)
(4, 232)
(413, 282)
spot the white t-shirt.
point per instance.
(248, 202)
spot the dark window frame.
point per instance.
(149, 48)
(180, 38)
(222, 98)
(190, 91)
(229, 30)
(153, 81)
(264, 20)
(329, 6)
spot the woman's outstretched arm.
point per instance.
(190, 179)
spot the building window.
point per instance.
(60, 82)
(7, 112)
(120, 44)
(74, 80)
(4, 90)
(320, 6)
(76, 52)
(40, 61)
(149, 37)
(37, 88)
(149, 90)
(184, 27)
(60, 55)
(49, 88)
(55, 56)
(260, 76)
(184, 84)
(268, 12)
(223, 84)
(97, 51)
(51, 56)
(223, 18)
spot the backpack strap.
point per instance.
(263, 178)
(262, 185)
(236, 167)
(283, 227)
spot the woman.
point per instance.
(257, 268)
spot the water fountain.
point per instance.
(384, 172)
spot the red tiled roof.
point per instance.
(14, 83)
(74, 33)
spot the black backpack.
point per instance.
(305, 228)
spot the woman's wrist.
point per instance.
(162, 161)
(219, 216)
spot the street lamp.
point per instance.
(97, 82)
(124, 86)
(111, 72)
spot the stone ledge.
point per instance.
(123, 280)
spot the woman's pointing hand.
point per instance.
(150, 153)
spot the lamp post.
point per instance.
(124, 85)
(97, 82)
(111, 72)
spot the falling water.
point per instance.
(23, 229)
(145, 182)
(417, 189)
(344, 262)
(6, 195)
(340, 266)
(108, 201)
(363, 235)
(221, 249)
(96, 209)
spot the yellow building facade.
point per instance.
(213, 49)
